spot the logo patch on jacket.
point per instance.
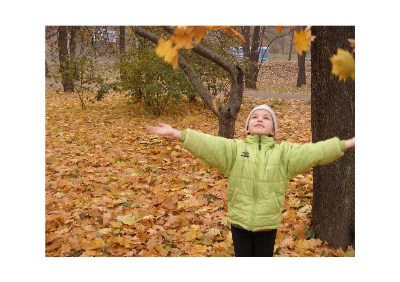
(245, 154)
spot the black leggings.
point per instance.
(253, 244)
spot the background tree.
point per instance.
(332, 114)
(66, 67)
(122, 46)
(226, 112)
(147, 78)
(301, 62)
(253, 36)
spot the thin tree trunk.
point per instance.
(252, 53)
(291, 47)
(122, 49)
(332, 114)
(72, 51)
(122, 39)
(66, 74)
(301, 63)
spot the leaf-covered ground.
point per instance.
(112, 189)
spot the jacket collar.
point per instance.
(265, 140)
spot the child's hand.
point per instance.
(164, 130)
(350, 143)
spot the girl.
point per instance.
(258, 172)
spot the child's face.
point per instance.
(261, 123)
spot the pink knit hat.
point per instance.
(265, 108)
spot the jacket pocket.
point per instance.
(269, 206)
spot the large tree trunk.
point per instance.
(332, 114)
(67, 76)
(226, 113)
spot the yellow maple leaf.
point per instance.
(166, 50)
(343, 64)
(184, 37)
(302, 40)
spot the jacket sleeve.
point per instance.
(216, 151)
(299, 158)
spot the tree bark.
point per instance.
(251, 51)
(332, 114)
(301, 75)
(122, 50)
(226, 114)
(291, 47)
(301, 64)
(72, 46)
(122, 39)
(67, 76)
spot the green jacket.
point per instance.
(258, 171)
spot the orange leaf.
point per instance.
(235, 34)
(279, 29)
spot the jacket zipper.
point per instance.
(255, 189)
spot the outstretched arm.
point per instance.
(165, 130)
(216, 151)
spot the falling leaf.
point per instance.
(166, 50)
(302, 41)
(184, 37)
(279, 29)
(235, 34)
(343, 65)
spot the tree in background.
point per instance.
(226, 110)
(301, 63)
(66, 40)
(332, 114)
(253, 36)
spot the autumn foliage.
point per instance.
(112, 189)
(343, 64)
